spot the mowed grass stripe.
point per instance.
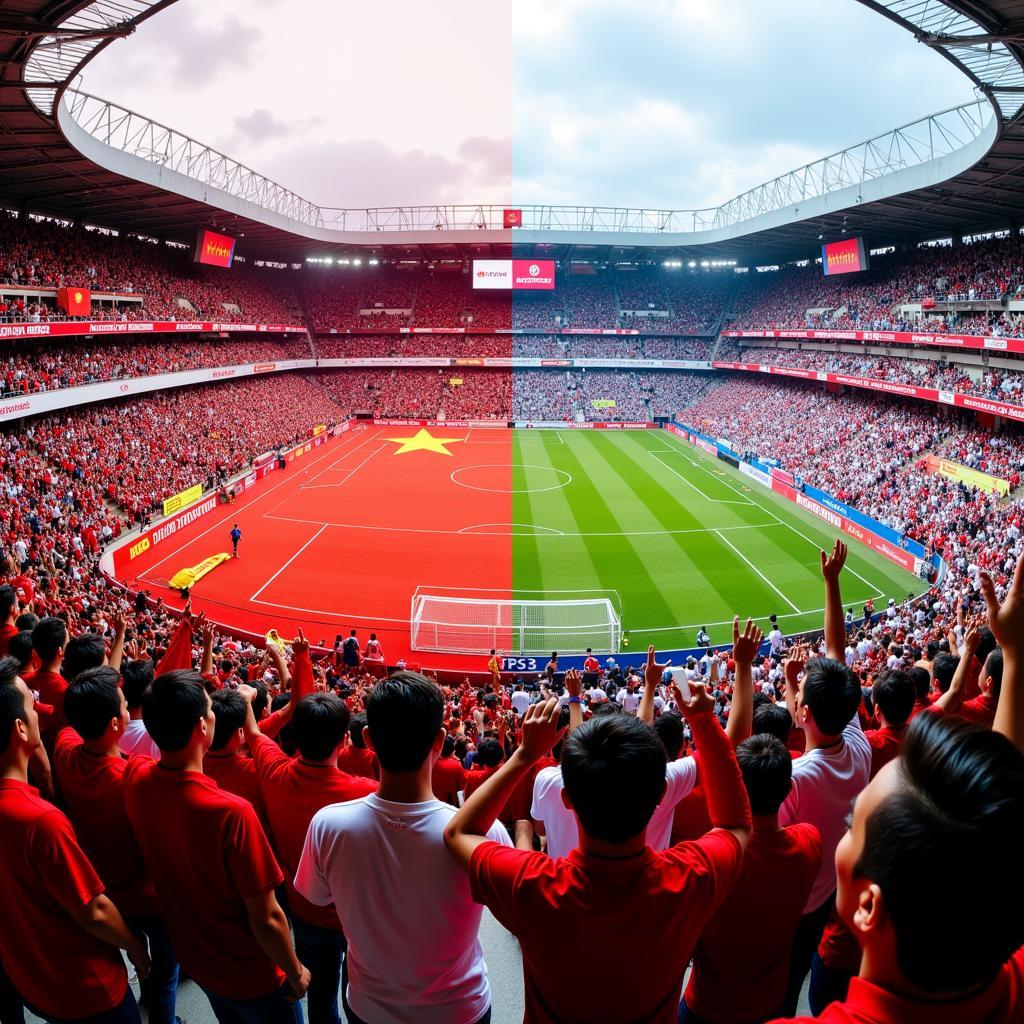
(706, 563)
(618, 563)
(523, 548)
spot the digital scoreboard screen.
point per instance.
(847, 256)
(213, 248)
(514, 275)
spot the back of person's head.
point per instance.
(767, 772)
(136, 677)
(404, 714)
(449, 746)
(956, 796)
(229, 710)
(319, 724)
(8, 602)
(92, 700)
(20, 648)
(48, 637)
(261, 701)
(172, 707)
(607, 709)
(613, 768)
(82, 652)
(993, 669)
(943, 669)
(489, 753)
(355, 730)
(893, 695)
(986, 643)
(922, 681)
(774, 720)
(831, 692)
(26, 621)
(669, 729)
(12, 702)
(931, 650)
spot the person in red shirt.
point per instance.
(893, 694)
(211, 865)
(90, 769)
(8, 613)
(49, 638)
(741, 962)
(982, 709)
(294, 789)
(611, 889)
(61, 933)
(224, 761)
(355, 757)
(448, 777)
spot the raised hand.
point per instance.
(540, 729)
(795, 663)
(300, 644)
(700, 701)
(832, 565)
(652, 670)
(573, 682)
(1006, 620)
(745, 646)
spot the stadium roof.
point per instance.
(69, 154)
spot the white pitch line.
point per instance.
(345, 479)
(725, 540)
(289, 562)
(717, 501)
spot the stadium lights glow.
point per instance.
(374, 263)
(704, 263)
(692, 263)
(672, 264)
(357, 263)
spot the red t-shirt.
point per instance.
(93, 791)
(1002, 1002)
(206, 853)
(359, 761)
(838, 949)
(885, 746)
(981, 710)
(517, 807)
(51, 687)
(237, 774)
(7, 630)
(658, 901)
(53, 962)
(775, 881)
(446, 779)
(924, 705)
(293, 792)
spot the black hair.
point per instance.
(172, 706)
(49, 637)
(261, 700)
(986, 643)
(960, 800)
(449, 746)
(669, 728)
(26, 621)
(774, 720)
(319, 724)
(137, 676)
(613, 768)
(82, 652)
(922, 680)
(12, 702)
(355, 730)
(894, 695)
(489, 753)
(229, 709)
(944, 667)
(91, 701)
(994, 667)
(20, 647)
(767, 771)
(404, 714)
(832, 693)
(8, 601)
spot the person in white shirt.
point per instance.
(520, 700)
(775, 640)
(628, 699)
(135, 679)
(414, 955)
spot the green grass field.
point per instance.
(684, 539)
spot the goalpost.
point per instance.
(474, 625)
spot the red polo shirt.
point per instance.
(658, 901)
(51, 687)
(981, 710)
(359, 761)
(236, 773)
(294, 791)
(885, 746)
(446, 779)
(93, 791)
(1002, 1002)
(53, 962)
(7, 630)
(206, 854)
(775, 881)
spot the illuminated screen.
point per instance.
(214, 249)
(514, 275)
(847, 256)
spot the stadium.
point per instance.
(446, 441)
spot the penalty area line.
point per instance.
(729, 543)
(286, 564)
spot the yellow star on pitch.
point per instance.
(423, 441)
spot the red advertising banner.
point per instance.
(63, 330)
(533, 275)
(973, 341)
(513, 218)
(214, 249)
(847, 256)
(74, 301)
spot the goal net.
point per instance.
(472, 625)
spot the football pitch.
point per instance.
(680, 538)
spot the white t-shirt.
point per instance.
(825, 784)
(137, 741)
(405, 906)
(775, 639)
(629, 701)
(520, 701)
(560, 823)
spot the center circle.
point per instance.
(496, 478)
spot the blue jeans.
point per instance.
(321, 950)
(275, 1008)
(126, 1012)
(827, 985)
(160, 988)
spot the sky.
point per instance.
(667, 104)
